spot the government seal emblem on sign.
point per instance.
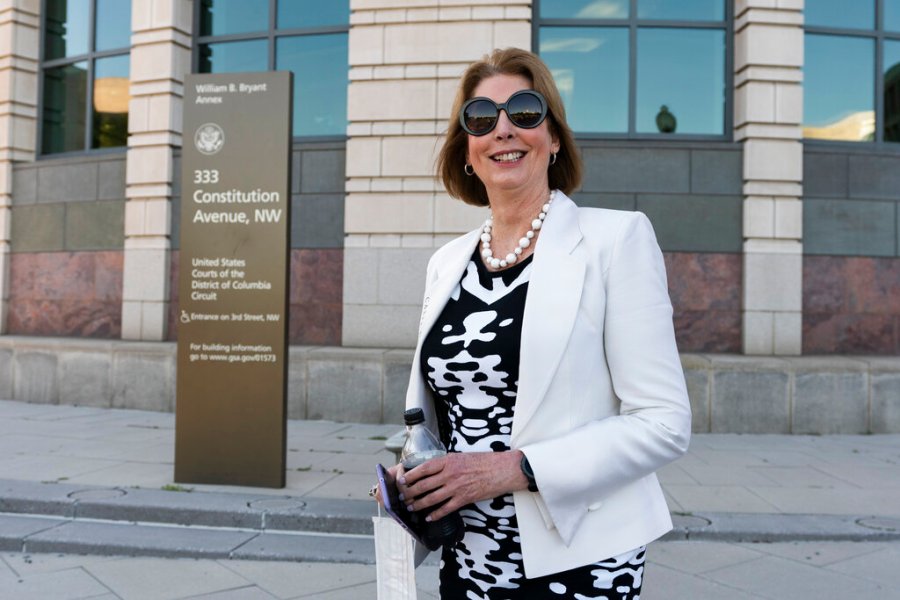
(209, 138)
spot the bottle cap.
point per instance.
(414, 416)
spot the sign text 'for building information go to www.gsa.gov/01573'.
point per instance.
(233, 274)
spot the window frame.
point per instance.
(271, 35)
(90, 57)
(632, 23)
(879, 35)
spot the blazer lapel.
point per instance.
(438, 292)
(551, 306)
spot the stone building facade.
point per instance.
(777, 242)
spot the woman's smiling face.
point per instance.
(510, 159)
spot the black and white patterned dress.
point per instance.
(470, 360)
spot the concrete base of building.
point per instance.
(729, 393)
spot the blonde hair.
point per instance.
(564, 174)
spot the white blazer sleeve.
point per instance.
(579, 469)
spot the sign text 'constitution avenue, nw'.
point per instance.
(233, 269)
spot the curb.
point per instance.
(768, 528)
(35, 534)
(208, 509)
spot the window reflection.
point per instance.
(112, 24)
(110, 115)
(65, 103)
(858, 14)
(681, 76)
(307, 37)
(590, 66)
(892, 15)
(66, 28)
(838, 95)
(234, 57)
(312, 13)
(319, 63)
(584, 9)
(82, 107)
(682, 10)
(221, 17)
(892, 91)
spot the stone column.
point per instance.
(160, 58)
(19, 52)
(406, 57)
(768, 100)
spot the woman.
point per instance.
(546, 360)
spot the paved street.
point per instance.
(76, 480)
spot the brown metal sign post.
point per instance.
(230, 418)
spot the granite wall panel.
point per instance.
(71, 226)
(689, 223)
(628, 169)
(37, 228)
(851, 241)
(718, 172)
(825, 175)
(851, 202)
(316, 296)
(71, 179)
(24, 185)
(874, 176)
(95, 225)
(851, 305)
(111, 181)
(67, 182)
(691, 192)
(317, 221)
(76, 294)
(706, 299)
(847, 227)
(321, 171)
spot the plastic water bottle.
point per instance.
(420, 447)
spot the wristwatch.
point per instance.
(529, 474)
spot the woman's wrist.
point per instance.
(528, 472)
(518, 480)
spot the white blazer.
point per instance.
(602, 402)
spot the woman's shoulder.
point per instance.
(606, 232)
(608, 218)
(605, 220)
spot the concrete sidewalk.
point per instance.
(675, 571)
(98, 482)
(762, 482)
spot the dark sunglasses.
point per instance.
(526, 109)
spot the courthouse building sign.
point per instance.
(233, 273)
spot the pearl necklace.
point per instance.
(524, 242)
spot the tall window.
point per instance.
(639, 68)
(84, 74)
(308, 37)
(851, 71)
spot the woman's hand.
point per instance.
(390, 476)
(461, 478)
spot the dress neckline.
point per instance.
(508, 275)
